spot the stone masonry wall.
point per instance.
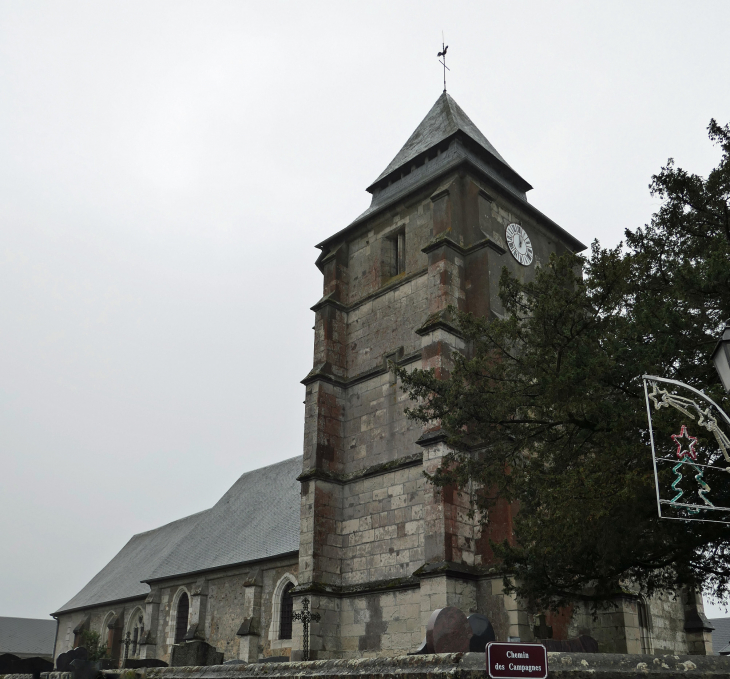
(224, 611)
(97, 615)
(376, 429)
(225, 607)
(382, 527)
(365, 264)
(380, 624)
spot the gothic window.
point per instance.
(282, 611)
(135, 627)
(181, 619)
(107, 626)
(287, 612)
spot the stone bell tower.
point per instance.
(380, 547)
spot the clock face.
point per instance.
(519, 244)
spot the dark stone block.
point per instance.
(275, 658)
(448, 631)
(195, 653)
(7, 660)
(12, 664)
(85, 669)
(247, 628)
(64, 660)
(482, 632)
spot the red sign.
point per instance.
(514, 661)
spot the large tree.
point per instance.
(546, 406)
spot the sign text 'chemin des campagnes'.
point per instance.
(514, 661)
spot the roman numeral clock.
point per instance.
(519, 244)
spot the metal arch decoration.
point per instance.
(699, 489)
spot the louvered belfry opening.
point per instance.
(287, 612)
(181, 621)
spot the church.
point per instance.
(351, 524)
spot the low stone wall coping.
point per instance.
(457, 665)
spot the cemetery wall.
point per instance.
(449, 666)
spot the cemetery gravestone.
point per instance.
(64, 660)
(12, 664)
(448, 631)
(482, 632)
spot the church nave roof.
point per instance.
(256, 519)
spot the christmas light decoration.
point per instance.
(694, 458)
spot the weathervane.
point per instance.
(442, 54)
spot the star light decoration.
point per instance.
(680, 438)
(663, 399)
(704, 413)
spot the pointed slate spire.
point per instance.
(445, 119)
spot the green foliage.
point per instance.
(91, 641)
(546, 406)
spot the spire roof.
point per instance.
(445, 140)
(445, 119)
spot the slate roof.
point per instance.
(121, 577)
(459, 141)
(256, 519)
(720, 635)
(27, 636)
(444, 120)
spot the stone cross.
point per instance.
(306, 617)
(127, 641)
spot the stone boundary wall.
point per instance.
(444, 666)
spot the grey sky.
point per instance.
(167, 167)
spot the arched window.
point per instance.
(137, 632)
(181, 620)
(287, 612)
(282, 604)
(135, 629)
(107, 630)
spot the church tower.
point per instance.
(381, 548)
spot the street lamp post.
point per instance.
(721, 357)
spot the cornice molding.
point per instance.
(340, 591)
(322, 375)
(413, 460)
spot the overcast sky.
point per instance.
(166, 169)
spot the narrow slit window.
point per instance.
(400, 253)
(644, 627)
(394, 255)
